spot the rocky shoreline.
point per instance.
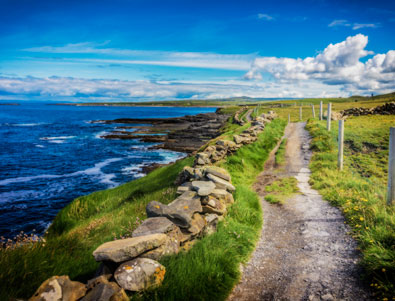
(183, 134)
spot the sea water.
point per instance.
(51, 154)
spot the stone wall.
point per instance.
(131, 264)
(386, 109)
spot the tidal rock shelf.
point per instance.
(131, 264)
(184, 134)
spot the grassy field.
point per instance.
(91, 220)
(360, 190)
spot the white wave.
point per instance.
(40, 146)
(93, 171)
(100, 134)
(57, 138)
(56, 141)
(133, 169)
(27, 179)
(27, 124)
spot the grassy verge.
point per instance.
(281, 189)
(280, 154)
(211, 268)
(359, 191)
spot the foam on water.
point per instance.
(93, 171)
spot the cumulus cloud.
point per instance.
(265, 17)
(338, 64)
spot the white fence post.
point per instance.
(329, 117)
(320, 110)
(289, 118)
(341, 145)
(391, 169)
(312, 108)
(300, 114)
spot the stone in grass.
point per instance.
(214, 206)
(154, 225)
(170, 247)
(197, 224)
(224, 195)
(180, 211)
(211, 224)
(203, 188)
(187, 186)
(59, 288)
(221, 183)
(126, 249)
(219, 172)
(140, 274)
(101, 289)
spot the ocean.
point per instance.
(51, 154)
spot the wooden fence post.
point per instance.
(312, 108)
(320, 110)
(300, 114)
(329, 117)
(391, 169)
(289, 118)
(341, 145)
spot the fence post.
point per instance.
(320, 110)
(300, 114)
(329, 117)
(312, 108)
(391, 169)
(341, 145)
(289, 118)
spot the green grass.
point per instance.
(281, 189)
(280, 154)
(360, 191)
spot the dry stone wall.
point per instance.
(386, 109)
(131, 264)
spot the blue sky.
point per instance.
(142, 50)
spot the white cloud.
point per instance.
(360, 25)
(335, 23)
(77, 89)
(265, 17)
(355, 26)
(339, 64)
(155, 58)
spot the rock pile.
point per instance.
(222, 148)
(205, 193)
(237, 119)
(386, 109)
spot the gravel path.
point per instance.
(304, 252)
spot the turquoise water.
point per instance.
(50, 155)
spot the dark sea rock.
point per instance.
(184, 134)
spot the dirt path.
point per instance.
(248, 115)
(304, 252)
